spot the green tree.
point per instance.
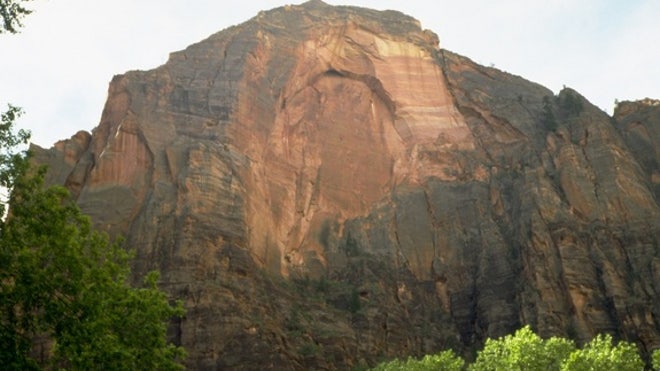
(655, 360)
(601, 354)
(523, 350)
(570, 102)
(64, 297)
(444, 361)
(547, 115)
(12, 12)
(12, 159)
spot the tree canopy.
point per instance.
(64, 297)
(525, 350)
(12, 12)
(444, 361)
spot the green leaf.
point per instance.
(66, 284)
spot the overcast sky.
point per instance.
(59, 67)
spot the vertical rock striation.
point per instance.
(324, 187)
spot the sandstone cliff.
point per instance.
(325, 187)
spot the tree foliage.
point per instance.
(525, 350)
(12, 158)
(570, 103)
(64, 297)
(601, 354)
(12, 12)
(444, 361)
(548, 118)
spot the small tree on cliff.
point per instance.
(64, 297)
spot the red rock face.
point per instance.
(354, 120)
(323, 187)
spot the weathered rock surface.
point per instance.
(639, 124)
(324, 187)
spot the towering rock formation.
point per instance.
(325, 187)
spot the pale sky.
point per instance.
(59, 67)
